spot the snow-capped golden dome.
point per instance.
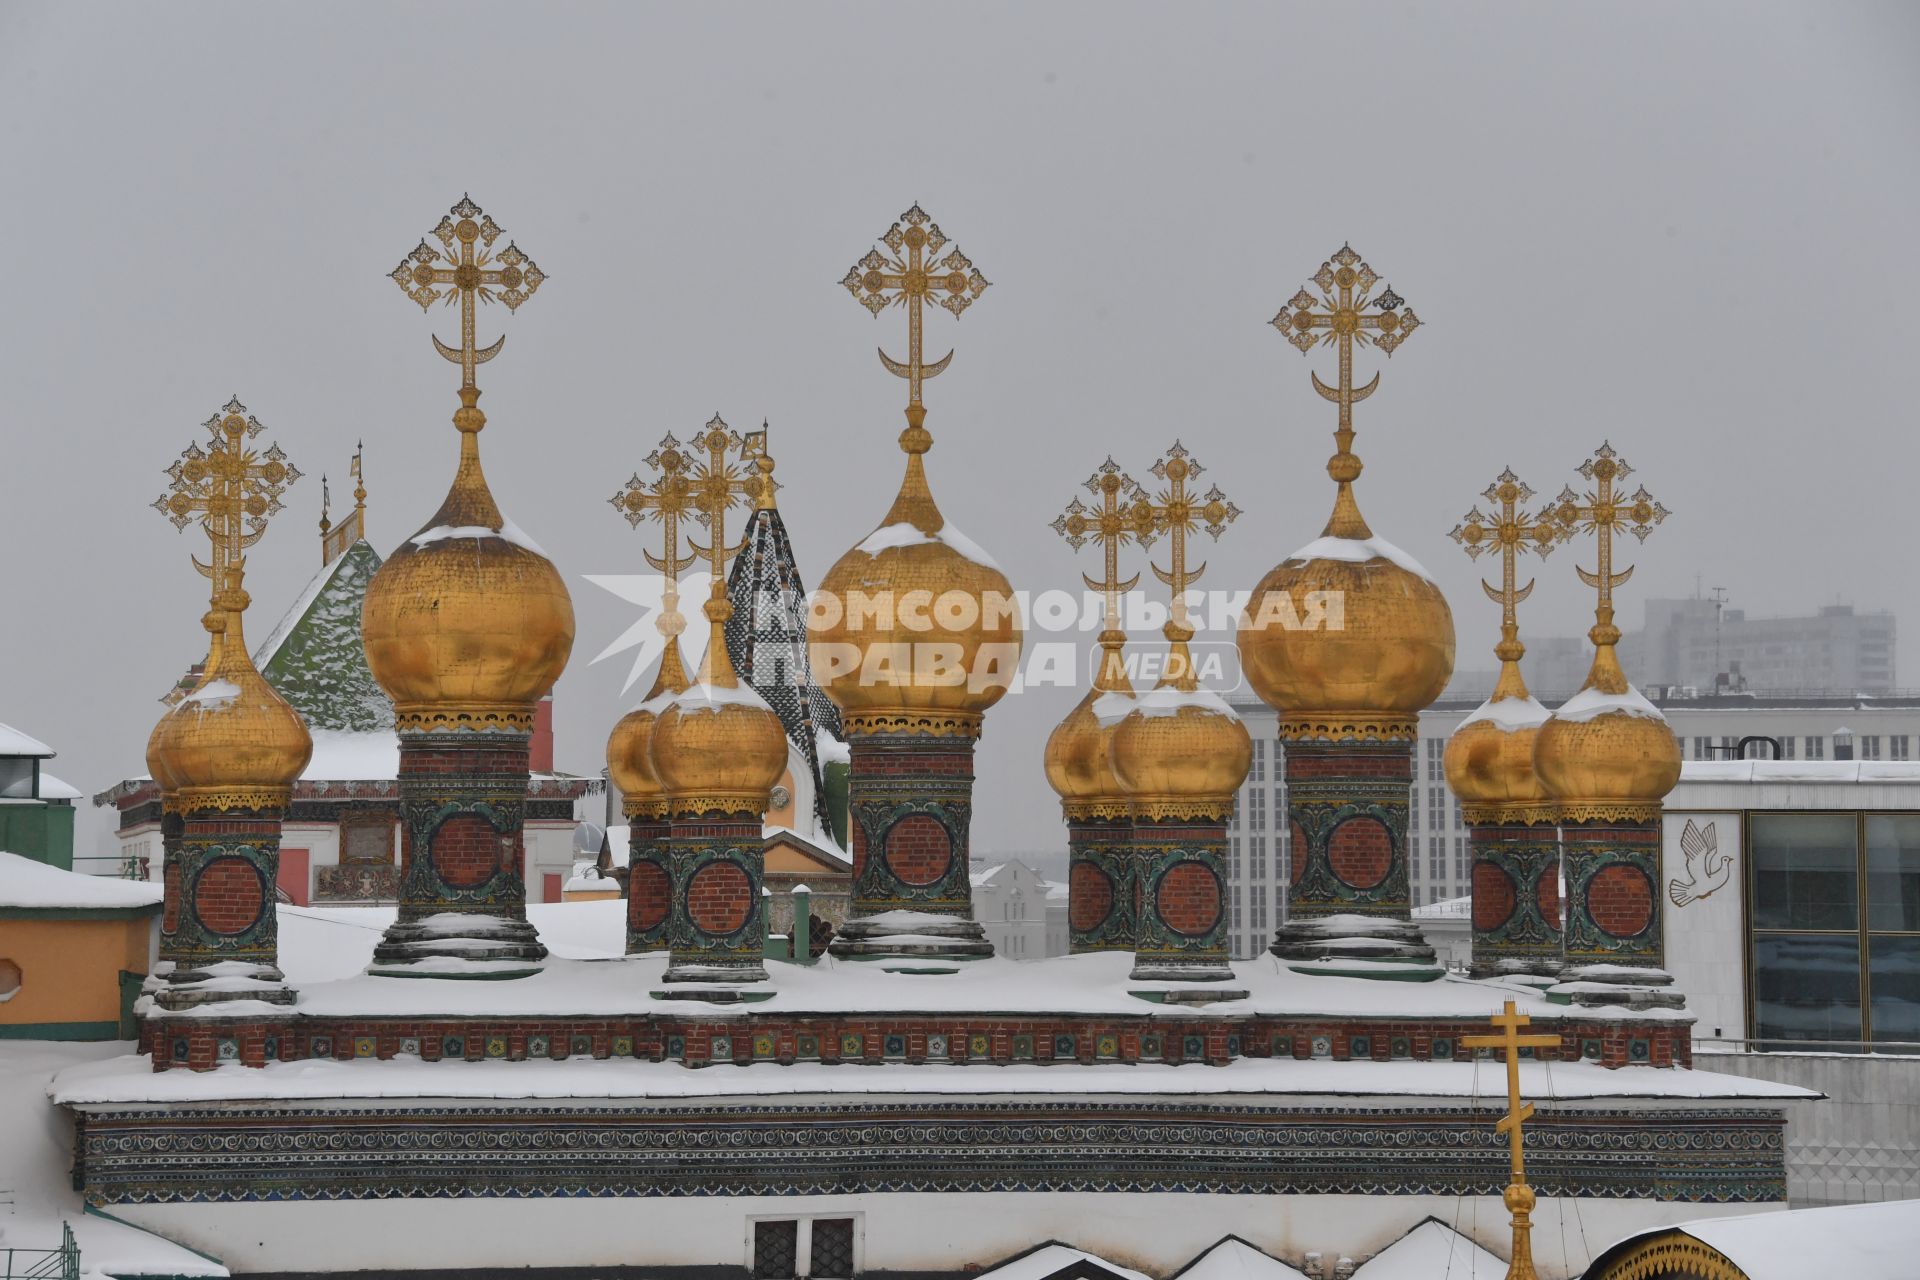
(717, 746)
(467, 624)
(1181, 752)
(630, 745)
(1489, 758)
(1608, 754)
(233, 742)
(1349, 632)
(1078, 756)
(915, 628)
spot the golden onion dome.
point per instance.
(717, 745)
(915, 627)
(1079, 751)
(467, 623)
(1181, 751)
(1608, 753)
(233, 742)
(1489, 758)
(630, 745)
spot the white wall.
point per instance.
(1706, 937)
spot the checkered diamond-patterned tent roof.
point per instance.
(315, 658)
(767, 640)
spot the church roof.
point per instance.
(315, 659)
(767, 640)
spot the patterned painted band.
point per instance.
(1531, 813)
(1673, 1255)
(932, 724)
(202, 799)
(480, 717)
(644, 806)
(1359, 726)
(1621, 812)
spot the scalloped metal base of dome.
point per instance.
(1384, 947)
(913, 937)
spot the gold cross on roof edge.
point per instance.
(229, 487)
(1519, 1196)
(908, 274)
(1176, 513)
(1508, 532)
(1603, 514)
(1124, 515)
(1346, 312)
(459, 269)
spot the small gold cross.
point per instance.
(911, 272)
(459, 269)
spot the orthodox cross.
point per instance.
(460, 270)
(1341, 316)
(231, 489)
(911, 272)
(1519, 1197)
(1509, 531)
(1177, 512)
(1124, 515)
(1603, 514)
(754, 449)
(717, 485)
(665, 500)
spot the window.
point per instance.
(1259, 861)
(1259, 771)
(832, 1249)
(776, 1250)
(1816, 748)
(1824, 968)
(1786, 747)
(1897, 747)
(366, 838)
(1870, 746)
(1703, 748)
(823, 1248)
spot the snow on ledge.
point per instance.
(1589, 704)
(1508, 715)
(1359, 551)
(27, 883)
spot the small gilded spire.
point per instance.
(1508, 532)
(1605, 513)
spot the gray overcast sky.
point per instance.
(1685, 227)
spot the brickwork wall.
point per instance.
(918, 850)
(467, 851)
(719, 898)
(1188, 898)
(1493, 896)
(1360, 851)
(1613, 908)
(228, 895)
(1347, 813)
(1621, 900)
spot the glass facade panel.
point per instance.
(1893, 872)
(1893, 984)
(1805, 871)
(1806, 987)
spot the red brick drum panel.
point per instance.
(1360, 851)
(1188, 899)
(1089, 897)
(1620, 899)
(228, 896)
(467, 851)
(918, 850)
(719, 899)
(649, 891)
(1493, 896)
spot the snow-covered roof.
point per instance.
(1858, 1241)
(1050, 1258)
(340, 756)
(825, 850)
(315, 659)
(1430, 1250)
(52, 788)
(1800, 771)
(27, 883)
(15, 743)
(1235, 1259)
(1446, 909)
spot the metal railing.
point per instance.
(43, 1264)
(1752, 1045)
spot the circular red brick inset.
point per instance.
(1546, 895)
(466, 850)
(1620, 900)
(719, 899)
(1089, 897)
(918, 850)
(228, 895)
(170, 881)
(1188, 899)
(1297, 857)
(1494, 896)
(1360, 852)
(649, 890)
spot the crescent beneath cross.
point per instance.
(1193, 575)
(457, 356)
(1500, 597)
(900, 370)
(1333, 393)
(1128, 585)
(1593, 579)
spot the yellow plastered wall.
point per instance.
(783, 816)
(784, 857)
(70, 968)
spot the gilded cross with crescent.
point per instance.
(466, 268)
(229, 487)
(1124, 515)
(1508, 532)
(911, 272)
(1346, 313)
(667, 500)
(1176, 512)
(1605, 513)
(1519, 1196)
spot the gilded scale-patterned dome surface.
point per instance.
(719, 743)
(1607, 749)
(946, 620)
(468, 614)
(232, 732)
(1489, 758)
(1362, 629)
(1180, 745)
(1078, 755)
